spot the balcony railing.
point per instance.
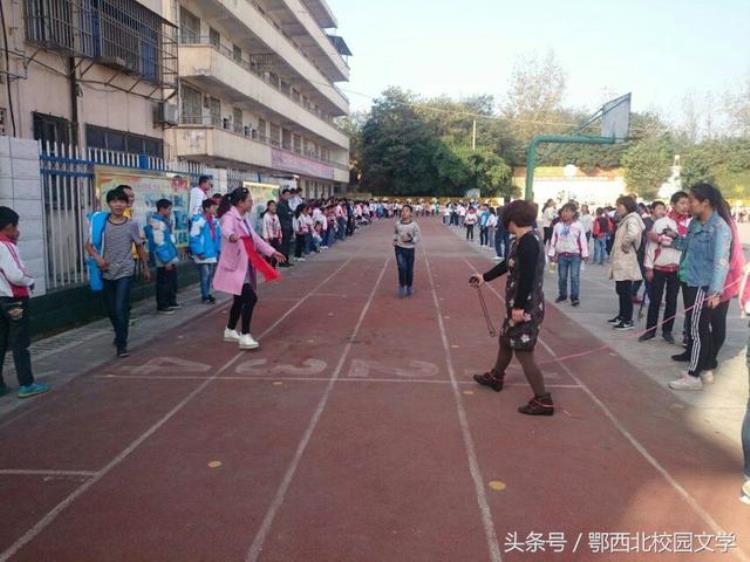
(225, 124)
(256, 67)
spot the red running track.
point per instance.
(355, 433)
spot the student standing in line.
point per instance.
(548, 214)
(524, 302)
(707, 249)
(271, 228)
(406, 236)
(745, 306)
(238, 264)
(286, 217)
(163, 252)
(111, 239)
(469, 221)
(662, 263)
(484, 228)
(198, 195)
(569, 247)
(205, 246)
(16, 284)
(602, 230)
(301, 230)
(624, 268)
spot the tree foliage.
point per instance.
(648, 164)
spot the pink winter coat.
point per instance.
(232, 269)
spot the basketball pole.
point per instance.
(554, 139)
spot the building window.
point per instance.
(121, 141)
(262, 130)
(214, 38)
(120, 33)
(237, 53)
(192, 106)
(275, 135)
(190, 27)
(237, 120)
(48, 128)
(214, 110)
(297, 140)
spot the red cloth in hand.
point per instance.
(259, 264)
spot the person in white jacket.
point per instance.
(662, 264)
(16, 284)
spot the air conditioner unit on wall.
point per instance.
(166, 114)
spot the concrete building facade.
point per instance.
(245, 88)
(89, 73)
(257, 91)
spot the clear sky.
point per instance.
(658, 49)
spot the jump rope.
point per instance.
(493, 332)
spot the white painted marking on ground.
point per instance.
(33, 472)
(256, 367)
(476, 473)
(257, 546)
(361, 368)
(167, 364)
(45, 521)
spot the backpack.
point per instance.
(603, 225)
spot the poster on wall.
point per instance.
(149, 187)
(261, 193)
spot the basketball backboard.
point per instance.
(616, 118)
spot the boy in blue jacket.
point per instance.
(163, 252)
(205, 245)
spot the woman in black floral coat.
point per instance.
(524, 303)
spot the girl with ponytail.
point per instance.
(709, 254)
(239, 262)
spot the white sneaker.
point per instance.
(498, 258)
(247, 342)
(707, 377)
(686, 382)
(745, 493)
(231, 335)
(300, 259)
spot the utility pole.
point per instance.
(474, 136)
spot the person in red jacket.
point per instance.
(603, 229)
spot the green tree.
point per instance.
(648, 164)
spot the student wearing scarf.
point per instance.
(662, 265)
(16, 284)
(239, 262)
(205, 245)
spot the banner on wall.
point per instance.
(261, 193)
(149, 187)
(283, 160)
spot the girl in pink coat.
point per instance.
(235, 273)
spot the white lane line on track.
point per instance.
(257, 546)
(476, 474)
(45, 521)
(636, 444)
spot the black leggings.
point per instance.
(625, 292)
(547, 234)
(243, 305)
(528, 364)
(470, 232)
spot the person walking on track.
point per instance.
(524, 301)
(406, 236)
(239, 262)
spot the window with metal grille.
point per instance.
(214, 38)
(237, 119)
(122, 141)
(190, 27)
(214, 106)
(237, 53)
(262, 130)
(119, 33)
(192, 106)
